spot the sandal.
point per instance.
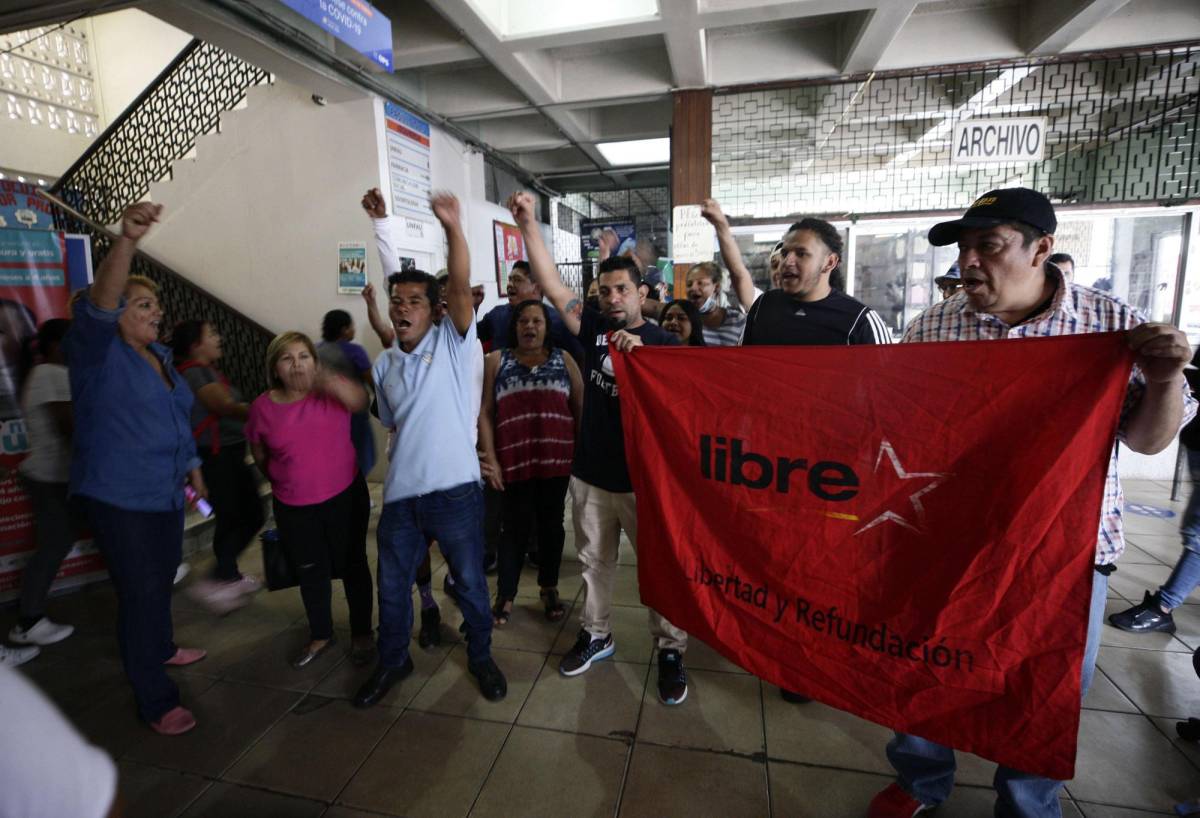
(555, 610)
(501, 611)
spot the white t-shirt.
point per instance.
(47, 770)
(49, 459)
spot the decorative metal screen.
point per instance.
(649, 207)
(157, 129)
(1119, 129)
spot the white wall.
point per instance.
(131, 49)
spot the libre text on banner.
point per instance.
(903, 532)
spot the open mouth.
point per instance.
(403, 324)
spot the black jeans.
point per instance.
(233, 492)
(142, 550)
(532, 506)
(325, 541)
(56, 523)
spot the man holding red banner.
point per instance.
(1010, 291)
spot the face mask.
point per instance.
(709, 305)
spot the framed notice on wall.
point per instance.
(510, 248)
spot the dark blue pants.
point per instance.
(142, 550)
(453, 517)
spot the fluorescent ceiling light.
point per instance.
(636, 151)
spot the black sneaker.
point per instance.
(431, 628)
(492, 683)
(1146, 617)
(672, 678)
(587, 649)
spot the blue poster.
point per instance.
(356, 23)
(31, 258)
(590, 230)
(22, 209)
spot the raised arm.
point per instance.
(541, 263)
(460, 304)
(375, 207)
(743, 284)
(111, 277)
(381, 326)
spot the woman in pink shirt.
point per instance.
(299, 434)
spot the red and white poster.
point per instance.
(510, 248)
(38, 270)
(903, 532)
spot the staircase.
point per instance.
(152, 138)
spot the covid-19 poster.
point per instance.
(39, 268)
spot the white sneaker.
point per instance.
(11, 657)
(181, 572)
(219, 597)
(43, 632)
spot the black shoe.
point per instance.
(492, 683)
(306, 656)
(793, 697)
(672, 678)
(362, 650)
(380, 683)
(490, 562)
(451, 590)
(587, 649)
(1188, 730)
(1146, 617)
(431, 628)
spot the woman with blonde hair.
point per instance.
(133, 452)
(299, 434)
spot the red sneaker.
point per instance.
(895, 802)
(186, 656)
(174, 722)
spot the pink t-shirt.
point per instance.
(310, 457)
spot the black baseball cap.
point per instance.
(1010, 204)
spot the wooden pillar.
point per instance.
(691, 158)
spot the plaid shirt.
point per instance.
(1074, 310)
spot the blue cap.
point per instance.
(950, 275)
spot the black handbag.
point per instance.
(277, 566)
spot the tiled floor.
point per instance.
(277, 742)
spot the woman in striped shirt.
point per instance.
(532, 402)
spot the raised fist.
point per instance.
(445, 208)
(710, 209)
(520, 204)
(373, 203)
(137, 219)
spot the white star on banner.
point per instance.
(937, 479)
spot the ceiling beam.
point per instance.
(870, 34)
(686, 48)
(1050, 28)
(432, 55)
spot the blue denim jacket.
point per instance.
(132, 446)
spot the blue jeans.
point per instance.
(926, 769)
(142, 550)
(1186, 575)
(454, 518)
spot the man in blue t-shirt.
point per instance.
(602, 500)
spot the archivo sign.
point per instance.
(999, 140)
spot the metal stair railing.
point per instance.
(243, 341)
(158, 128)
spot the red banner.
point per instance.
(903, 532)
